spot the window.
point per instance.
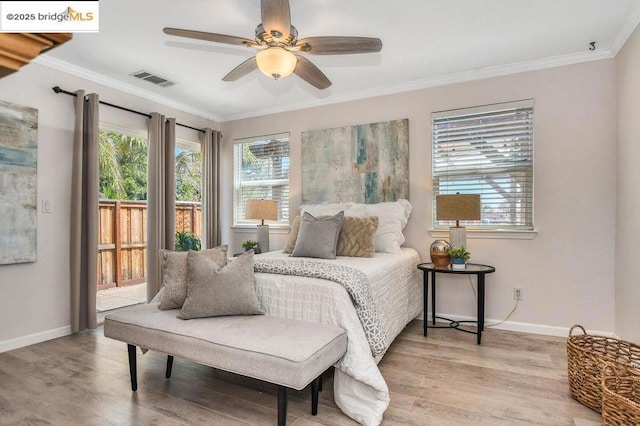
(261, 171)
(488, 151)
(188, 187)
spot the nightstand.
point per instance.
(471, 269)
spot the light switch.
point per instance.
(46, 206)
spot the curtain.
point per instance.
(84, 213)
(161, 196)
(211, 187)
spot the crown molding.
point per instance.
(461, 77)
(626, 31)
(69, 68)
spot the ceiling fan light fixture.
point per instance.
(276, 62)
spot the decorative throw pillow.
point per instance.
(213, 291)
(293, 235)
(357, 236)
(174, 274)
(318, 237)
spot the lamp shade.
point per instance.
(261, 210)
(276, 62)
(458, 207)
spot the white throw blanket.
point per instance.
(359, 388)
(353, 280)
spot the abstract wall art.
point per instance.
(18, 191)
(367, 163)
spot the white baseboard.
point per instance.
(524, 327)
(32, 339)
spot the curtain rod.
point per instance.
(57, 89)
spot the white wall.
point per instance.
(34, 297)
(567, 270)
(628, 194)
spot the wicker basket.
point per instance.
(620, 396)
(586, 358)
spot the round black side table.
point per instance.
(471, 269)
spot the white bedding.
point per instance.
(359, 388)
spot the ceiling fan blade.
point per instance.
(276, 16)
(218, 38)
(339, 45)
(241, 70)
(310, 73)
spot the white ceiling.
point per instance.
(425, 43)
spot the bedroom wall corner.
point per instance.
(628, 197)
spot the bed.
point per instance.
(396, 293)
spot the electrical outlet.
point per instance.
(517, 293)
(46, 206)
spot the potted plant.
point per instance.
(459, 256)
(186, 241)
(250, 245)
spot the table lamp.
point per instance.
(262, 210)
(458, 207)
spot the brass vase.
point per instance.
(439, 252)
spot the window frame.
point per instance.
(478, 230)
(238, 222)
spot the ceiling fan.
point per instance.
(279, 47)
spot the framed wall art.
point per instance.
(367, 163)
(18, 190)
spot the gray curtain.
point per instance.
(161, 196)
(84, 213)
(211, 187)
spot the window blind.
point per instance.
(488, 151)
(261, 171)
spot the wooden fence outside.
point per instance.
(122, 239)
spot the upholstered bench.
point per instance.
(288, 353)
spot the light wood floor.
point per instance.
(444, 379)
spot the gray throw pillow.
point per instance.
(213, 291)
(318, 237)
(174, 274)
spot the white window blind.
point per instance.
(488, 151)
(261, 171)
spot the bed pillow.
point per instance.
(357, 236)
(393, 217)
(318, 237)
(293, 235)
(214, 291)
(174, 274)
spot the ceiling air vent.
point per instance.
(152, 78)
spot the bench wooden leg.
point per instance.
(132, 367)
(315, 387)
(169, 366)
(320, 384)
(282, 405)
